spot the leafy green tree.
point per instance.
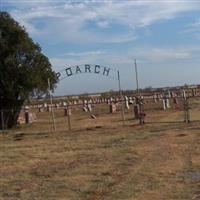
(24, 70)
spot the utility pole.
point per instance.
(136, 76)
(121, 96)
(139, 100)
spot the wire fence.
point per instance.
(62, 116)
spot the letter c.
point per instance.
(95, 69)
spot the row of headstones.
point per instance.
(80, 102)
(166, 102)
(166, 96)
(156, 97)
(128, 100)
(87, 106)
(85, 103)
(29, 117)
(26, 117)
(174, 94)
(113, 102)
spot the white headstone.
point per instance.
(167, 103)
(164, 104)
(89, 107)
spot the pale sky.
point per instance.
(164, 37)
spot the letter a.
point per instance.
(78, 70)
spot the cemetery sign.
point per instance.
(80, 69)
(95, 69)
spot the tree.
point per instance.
(24, 70)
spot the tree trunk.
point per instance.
(9, 115)
(8, 118)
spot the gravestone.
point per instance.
(40, 108)
(89, 107)
(136, 111)
(169, 94)
(26, 115)
(175, 100)
(93, 116)
(48, 108)
(67, 111)
(85, 109)
(194, 93)
(155, 98)
(126, 103)
(184, 94)
(130, 100)
(45, 105)
(164, 104)
(113, 108)
(167, 103)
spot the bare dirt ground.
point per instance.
(102, 159)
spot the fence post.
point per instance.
(68, 117)
(141, 112)
(26, 114)
(186, 110)
(52, 110)
(121, 97)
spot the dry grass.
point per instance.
(100, 159)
